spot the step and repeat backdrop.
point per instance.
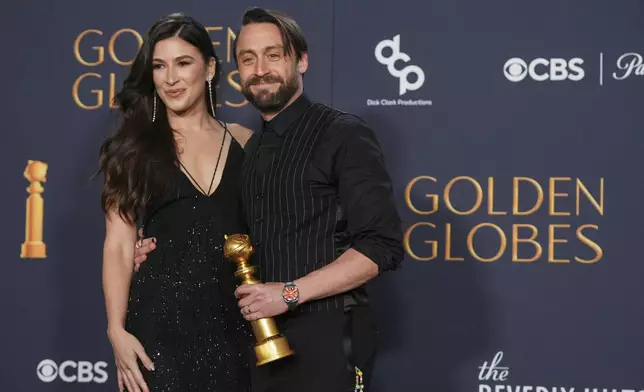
(514, 135)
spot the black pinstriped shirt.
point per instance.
(315, 184)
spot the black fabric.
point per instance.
(182, 306)
(321, 361)
(315, 184)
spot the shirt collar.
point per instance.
(284, 119)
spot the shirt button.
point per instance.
(260, 195)
(258, 220)
(259, 243)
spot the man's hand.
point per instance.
(142, 248)
(261, 300)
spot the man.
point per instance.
(319, 206)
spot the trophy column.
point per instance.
(34, 247)
(271, 345)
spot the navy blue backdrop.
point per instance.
(512, 131)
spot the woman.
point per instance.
(173, 166)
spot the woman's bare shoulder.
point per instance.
(240, 133)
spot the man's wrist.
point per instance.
(291, 295)
(304, 286)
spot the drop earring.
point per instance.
(212, 107)
(154, 110)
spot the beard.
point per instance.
(269, 102)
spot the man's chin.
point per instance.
(265, 100)
(269, 106)
(264, 95)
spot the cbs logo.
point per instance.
(72, 371)
(541, 69)
(401, 74)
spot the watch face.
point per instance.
(290, 293)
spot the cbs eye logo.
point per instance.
(541, 69)
(47, 370)
(72, 371)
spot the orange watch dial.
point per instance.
(290, 293)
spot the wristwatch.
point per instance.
(291, 295)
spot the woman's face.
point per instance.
(180, 74)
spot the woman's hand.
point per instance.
(127, 349)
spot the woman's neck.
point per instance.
(193, 120)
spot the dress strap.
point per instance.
(214, 174)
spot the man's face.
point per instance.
(269, 77)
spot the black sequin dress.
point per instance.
(182, 306)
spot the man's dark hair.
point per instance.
(292, 37)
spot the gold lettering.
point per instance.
(590, 243)
(112, 90)
(553, 195)
(99, 49)
(231, 37)
(490, 196)
(470, 242)
(552, 241)
(516, 240)
(110, 45)
(515, 196)
(407, 242)
(432, 197)
(598, 206)
(218, 28)
(448, 244)
(479, 195)
(237, 87)
(97, 92)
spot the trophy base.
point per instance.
(33, 250)
(272, 350)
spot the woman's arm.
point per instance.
(118, 248)
(118, 263)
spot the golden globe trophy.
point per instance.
(34, 247)
(271, 345)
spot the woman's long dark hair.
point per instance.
(140, 159)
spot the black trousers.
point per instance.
(333, 350)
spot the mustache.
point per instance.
(264, 79)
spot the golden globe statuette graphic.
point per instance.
(34, 247)
(271, 345)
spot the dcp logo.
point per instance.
(72, 371)
(401, 74)
(540, 69)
